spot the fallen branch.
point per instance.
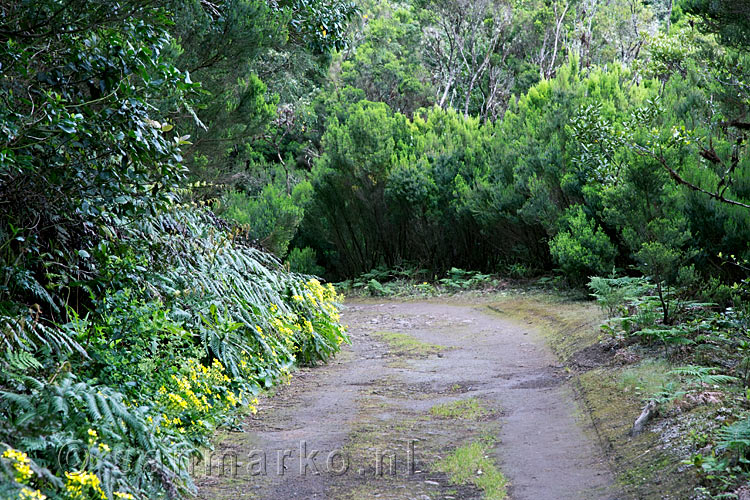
(648, 411)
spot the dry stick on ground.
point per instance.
(640, 423)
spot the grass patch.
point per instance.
(470, 464)
(466, 409)
(403, 344)
(647, 378)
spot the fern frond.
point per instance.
(21, 361)
(704, 374)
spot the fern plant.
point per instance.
(70, 425)
(27, 332)
(704, 375)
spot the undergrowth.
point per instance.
(405, 282)
(694, 361)
(184, 326)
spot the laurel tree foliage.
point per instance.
(134, 321)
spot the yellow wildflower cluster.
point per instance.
(198, 391)
(80, 484)
(92, 436)
(21, 464)
(286, 325)
(307, 326)
(177, 401)
(324, 297)
(170, 422)
(317, 311)
(27, 494)
(230, 397)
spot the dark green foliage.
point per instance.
(152, 152)
(133, 320)
(730, 19)
(304, 261)
(82, 141)
(581, 248)
(445, 190)
(272, 217)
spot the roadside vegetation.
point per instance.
(690, 370)
(133, 320)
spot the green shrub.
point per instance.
(582, 248)
(304, 261)
(271, 217)
(614, 295)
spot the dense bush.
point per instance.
(133, 321)
(582, 249)
(568, 179)
(271, 217)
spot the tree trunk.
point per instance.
(669, 14)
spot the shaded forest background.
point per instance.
(498, 136)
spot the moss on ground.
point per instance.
(406, 345)
(647, 377)
(466, 409)
(644, 469)
(471, 464)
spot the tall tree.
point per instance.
(466, 48)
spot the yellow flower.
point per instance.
(232, 399)
(27, 494)
(77, 481)
(20, 463)
(308, 326)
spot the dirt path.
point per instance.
(420, 380)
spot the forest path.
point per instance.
(384, 412)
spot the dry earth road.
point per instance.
(420, 380)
